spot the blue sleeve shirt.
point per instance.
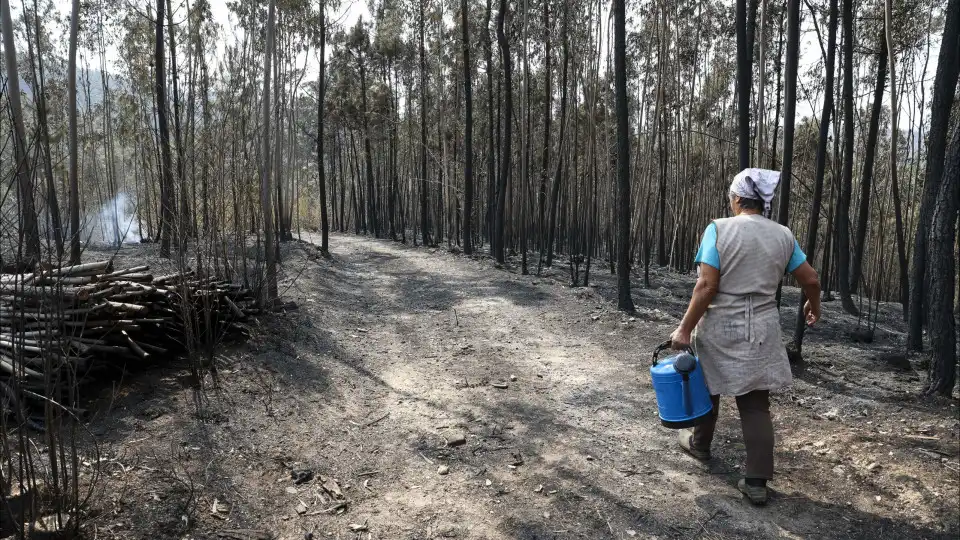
(708, 254)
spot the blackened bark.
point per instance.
(505, 150)
(491, 145)
(73, 201)
(555, 190)
(846, 178)
(790, 107)
(40, 95)
(810, 246)
(183, 229)
(624, 301)
(424, 186)
(942, 270)
(866, 182)
(373, 226)
(944, 88)
(468, 134)
(167, 210)
(321, 162)
(744, 81)
(545, 163)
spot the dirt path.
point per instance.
(394, 352)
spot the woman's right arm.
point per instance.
(807, 277)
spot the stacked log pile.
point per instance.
(90, 317)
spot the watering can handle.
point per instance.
(664, 346)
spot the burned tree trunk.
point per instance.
(321, 162)
(555, 190)
(846, 179)
(944, 87)
(744, 82)
(167, 210)
(942, 269)
(468, 134)
(624, 302)
(424, 186)
(506, 149)
(821, 166)
(867, 180)
(28, 215)
(74, 187)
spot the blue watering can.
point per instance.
(683, 399)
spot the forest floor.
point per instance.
(415, 393)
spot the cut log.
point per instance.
(88, 269)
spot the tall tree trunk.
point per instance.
(40, 95)
(547, 106)
(944, 88)
(555, 190)
(424, 185)
(167, 203)
(29, 230)
(321, 162)
(624, 300)
(468, 133)
(505, 150)
(846, 178)
(663, 140)
(863, 216)
(744, 82)
(73, 180)
(183, 228)
(894, 133)
(943, 275)
(762, 86)
(373, 227)
(394, 142)
(491, 144)
(776, 117)
(524, 184)
(821, 164)
(790, 109)
(270, 292)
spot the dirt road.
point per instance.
(419, 394)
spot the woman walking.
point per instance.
(735, 324)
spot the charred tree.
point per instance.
(424, 185)
(744, 82)
(270, 291)
(944, 88)
(942, 269)
(810, 246)
(468, 133)
(321, 163)
(506, 148)
(846, 178)
(790, 107)
(167, 202)
(624, 300)
(555, 189)
(866, 182)
(72, 170)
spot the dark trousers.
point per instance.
(757, 432)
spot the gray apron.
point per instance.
(738, 340)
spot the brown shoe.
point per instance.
(756, 494)
(685, 437)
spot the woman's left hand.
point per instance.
(680, 339)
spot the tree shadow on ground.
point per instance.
(815, 374)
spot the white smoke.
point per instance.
(115, 224)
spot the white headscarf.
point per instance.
(756, 184)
